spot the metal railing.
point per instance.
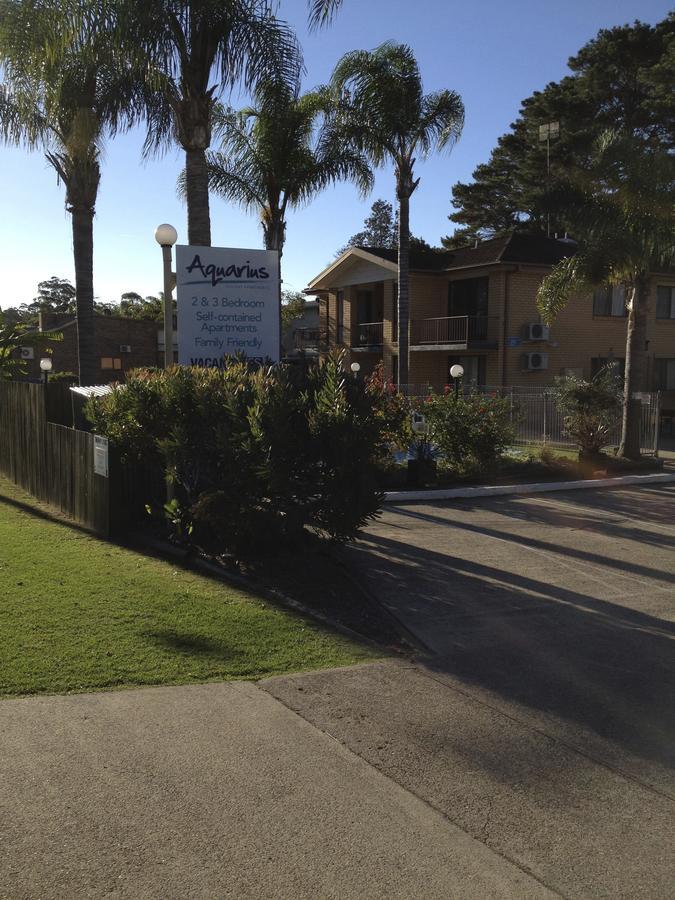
(538, 421)
(368, 334)
(449, 330)
(309, 338)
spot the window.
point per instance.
(474, 369)
(369, 306)
(610, 300)
(598, 363)
(468, 297)
(110, 362)
(665, 302)
(664, 370)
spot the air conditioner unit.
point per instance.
(535, 362)
(537, 332)
(125, 348)
(27, 353)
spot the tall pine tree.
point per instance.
(623, 79)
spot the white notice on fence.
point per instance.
(101, 456)
(228, 304)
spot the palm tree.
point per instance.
(280, 153)
(389, 118)
(193, 51)
(622, 209)
(65, 90)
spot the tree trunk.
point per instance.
(83, 253)
(274, 235)
(636, 367)
(197, 194)
(403, 285)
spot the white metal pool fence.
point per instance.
(537, 419)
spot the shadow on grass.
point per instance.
(46, 515)
(194, 645)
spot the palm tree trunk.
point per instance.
(403, 284)
(274, 235)
(83, 253)
(197, 194)
(636, 368)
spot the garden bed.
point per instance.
(524, 467)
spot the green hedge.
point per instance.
(256, 456)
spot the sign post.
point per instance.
(228, 305)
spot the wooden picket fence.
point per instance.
(51, 461)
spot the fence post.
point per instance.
(657, 423)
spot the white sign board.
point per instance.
(228, 304)
(101, 455)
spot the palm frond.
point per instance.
(566, 278)
(321, 12)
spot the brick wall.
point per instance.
(111, 333)
(575, 338)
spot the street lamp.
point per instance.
(356, 368)
(166, 236)
(456, 372)
(45, 367)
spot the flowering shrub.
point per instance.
(471, 432)
(256, 456)
(392, 409)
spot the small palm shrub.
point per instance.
(590, 409)
(256, 455)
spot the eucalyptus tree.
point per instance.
(66, 88)
(386, 115)
(279, 153)
(192, 52)
(622, 208)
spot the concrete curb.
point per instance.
(541, 488)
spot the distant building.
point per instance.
(304, 334)
(122, 344)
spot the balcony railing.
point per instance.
(368, 334)
(449, 330)
(309, 338)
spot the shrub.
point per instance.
(392, 408)
(590, 409)
(471, 432)
(256, 456)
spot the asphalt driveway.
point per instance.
(542, 717)
(562, 603)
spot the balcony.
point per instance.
(456, 332)
(367, 335)
(310, 339)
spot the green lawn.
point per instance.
(78, 614)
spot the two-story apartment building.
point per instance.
(477, 306)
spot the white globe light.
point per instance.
(355, 367)
(46, 364)
(456, 371)
(166, 235)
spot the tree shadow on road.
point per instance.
(603, 666)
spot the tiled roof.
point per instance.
(511, 248)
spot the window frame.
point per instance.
(670, 301)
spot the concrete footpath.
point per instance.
(213, 791)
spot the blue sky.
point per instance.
(494, 53)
